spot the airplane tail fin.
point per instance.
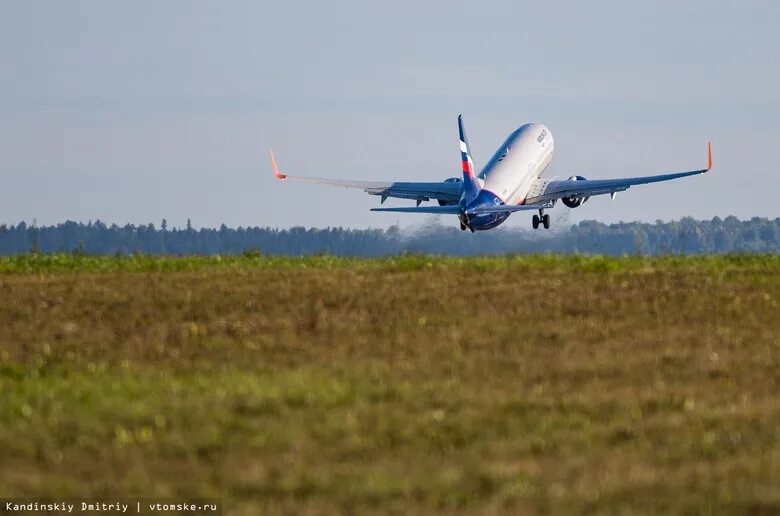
(471, 186)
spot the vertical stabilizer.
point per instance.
(471, 186)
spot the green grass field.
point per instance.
(410, 385)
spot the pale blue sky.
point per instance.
(136, 111)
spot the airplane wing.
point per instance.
(544, 191)
(443, 191)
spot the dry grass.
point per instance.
(407, 385)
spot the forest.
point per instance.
(685, 236)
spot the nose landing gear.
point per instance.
(543, 218)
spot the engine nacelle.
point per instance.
(450, 180)
(574, 202)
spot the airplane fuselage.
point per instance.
(509, 175)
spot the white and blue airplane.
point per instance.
(512, 180)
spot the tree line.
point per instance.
(686, 236)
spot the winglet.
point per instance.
(709, 156)
(277, 173)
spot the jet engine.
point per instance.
(572, 201)
(450, 180)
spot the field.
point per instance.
(410, 385)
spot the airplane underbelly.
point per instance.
(518, 163)
(512, 181)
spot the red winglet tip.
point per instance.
(277, 172)
(709, 155)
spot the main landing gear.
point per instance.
(464, 225)
(543, 218)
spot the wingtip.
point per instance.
(709, 155)
(277, 172)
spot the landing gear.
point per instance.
(465, 223)
(541, 218)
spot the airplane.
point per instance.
(511, 181)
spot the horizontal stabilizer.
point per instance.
(436, 210)
(506, 208)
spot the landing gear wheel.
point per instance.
(462, 226)
(546, 221)
(535, 221)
